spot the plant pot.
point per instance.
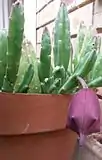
(34, 127)
(56, 145)
(28, 114)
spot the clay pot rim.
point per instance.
(22, 112)
(41, 94)
(33, 94)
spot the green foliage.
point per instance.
(3, 51)
(62, 38)
(14, 45)
(21, 70)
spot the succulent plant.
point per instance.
(62, 40)
(23, 72)
(3, 51)
(11, 53)
(14, 46)
(28, 57)
(24, 86)
(45, 56)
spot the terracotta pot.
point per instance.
(27, 114)
(57, 145)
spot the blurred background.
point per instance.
(41, 13)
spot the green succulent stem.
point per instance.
(14, 45)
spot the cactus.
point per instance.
(59, 72)
(24, 63)
(14, 45)
(28, 57)
(35, 86)
(86, 64)
(3, 51)
(83, 69)
(45, 86)
(24, 86)
(22, 72)
(96, 70)
(79, 42)
(69, 85)
(71, 66)
(97, 82)
(55, 86)
(85, 43)
(44, 66)
(61, 48)
(88, 41)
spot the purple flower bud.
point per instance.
(84, 113)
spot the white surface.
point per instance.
(30, 20)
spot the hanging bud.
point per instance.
(84, 114)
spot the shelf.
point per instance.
(44, 6)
